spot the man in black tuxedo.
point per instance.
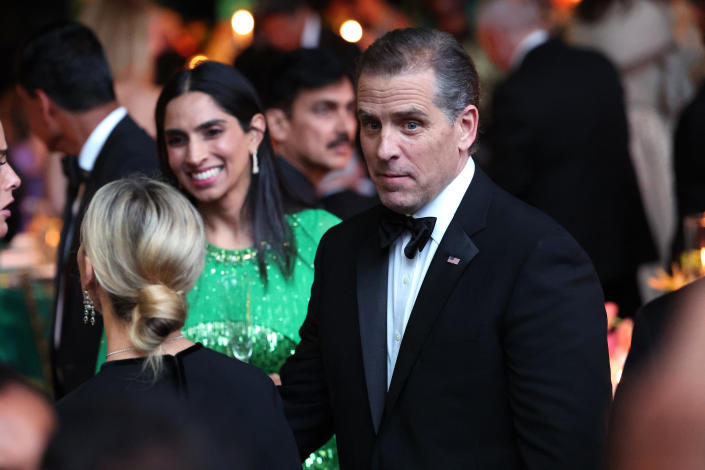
(559, 141)
(67, 90)
(471, 335)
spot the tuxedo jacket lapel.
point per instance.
(450, 262)
(372, 265)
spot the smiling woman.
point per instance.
(9, 181)
(252, 294)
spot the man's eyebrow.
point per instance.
(325, 101)
(362, 114)
(409, 113)
(403, 114)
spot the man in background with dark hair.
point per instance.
(310, 109)
(454, 326)
(67, 91)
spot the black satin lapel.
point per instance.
(372, 264)
(453, 256)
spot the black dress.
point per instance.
(235, 404)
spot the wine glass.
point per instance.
(241, 339)
(241, 343)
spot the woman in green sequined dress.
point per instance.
(253, 293)
(252, 296)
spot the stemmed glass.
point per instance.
(241, 343)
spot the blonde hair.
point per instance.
(147, 245)
(123, 29)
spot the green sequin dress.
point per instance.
(230, 300)
(230, 295)
(233, 311)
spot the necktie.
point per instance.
(73, 172)
(391, 225)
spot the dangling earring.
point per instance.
(255, 163)
(88, 309)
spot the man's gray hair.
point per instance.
(414, 50)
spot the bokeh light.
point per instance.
(351, 31)
(195, 60)
(242, 22)
(51, 238)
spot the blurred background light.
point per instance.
(195, 60)
(242, 22)
(351, 31)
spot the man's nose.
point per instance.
(388, 146)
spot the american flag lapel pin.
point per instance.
(453, 260)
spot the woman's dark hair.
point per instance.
(236, 96)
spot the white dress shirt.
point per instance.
(311, 33)
(405, 275)
(526, 45)
(94, 143)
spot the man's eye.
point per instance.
(412, 125)
(322, 109)
(373, 126)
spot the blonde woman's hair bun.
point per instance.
(160, 310)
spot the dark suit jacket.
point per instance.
(299, 191)
(559, 142)
(689, 145)
(503, 363)
(127, 150)
(689, 163)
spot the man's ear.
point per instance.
(279, 126)
(466, 127)
(47, 105)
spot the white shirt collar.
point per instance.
(531, 41)
(95, 141)
(443, 207)
(311, 34)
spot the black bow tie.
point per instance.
(391, 225)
